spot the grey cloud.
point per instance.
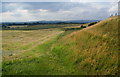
(56, 11)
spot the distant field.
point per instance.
(17, 41)
(36, 27)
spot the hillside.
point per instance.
(90, 51)
(93, 50)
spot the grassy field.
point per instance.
(16, 42)
(37, 27)
(90, 51)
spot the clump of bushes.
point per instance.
(92, 23)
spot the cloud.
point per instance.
(20, 12)
(43, 10)
(114, 9)
(94, 0)
(60, 0)
(15, 12)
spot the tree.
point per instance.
(111, 15)
(116, 14)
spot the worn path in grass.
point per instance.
(44, 39)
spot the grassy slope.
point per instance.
(89, 51)
(93, 50)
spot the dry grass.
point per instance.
(93, 50)
(17, 41)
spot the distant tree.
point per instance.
(83, 26)
(4, 26)
(111, 15)
(8, 27)
(116, 14)
(25, 23)
(92, 23)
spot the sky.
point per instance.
(37, 11)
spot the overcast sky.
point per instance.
(36, 11)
